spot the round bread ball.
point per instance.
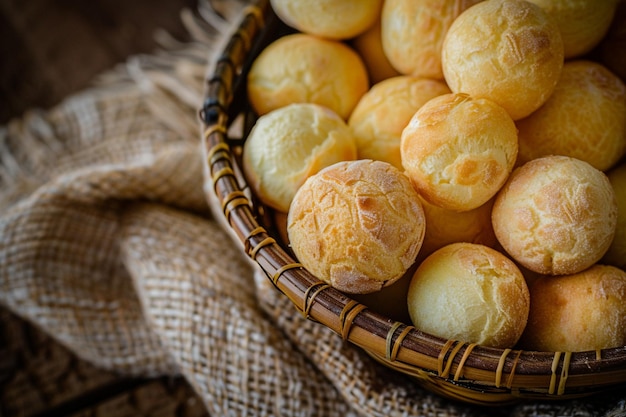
(301, 68)
(458, 150)
(509, 51)
(288, 145)
(384, 111)
(357, 225)
(583, 23)
(616, 255)
(471, 293)
(412, 33)
(578, 312)
(449, 226)
(585, 118)
(332, 19)
(370, 48)
(556, 215)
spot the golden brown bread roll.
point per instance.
(585, 118)
(582, 23)
(458, 150)
(556, 215)
(289, 144)
(383, 112)
(301, 68)
(471, 293)
(332, 19)
(412, 33)
(509, 51)
(357, 225)
(369, 46)
(448, 226)
(578, 312)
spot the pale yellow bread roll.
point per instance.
(370, 48)
(616, 255)
(448, 226)
(332, 19)
(556, 215)
(509, 51)
(585, 118)
(412, 33)
(458, 151)
(583, 23)
(288, 145)
(470, 293)
(357, 225)
(383, 112)
(579, 312)
(301, 68)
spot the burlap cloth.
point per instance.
(108, 245)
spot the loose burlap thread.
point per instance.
(107, 244)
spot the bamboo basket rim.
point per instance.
(455, 369)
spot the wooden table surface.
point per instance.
(48, 50)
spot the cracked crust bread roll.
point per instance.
(578, 312)
(357, 225)
(556, 215)
(289, 144)
(509, 51)
(413, 31)
(331, 19)
(383, 112)
(471, 293)
(458, 150)
(585, 118)
(301, 68)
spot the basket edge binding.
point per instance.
(455, 369)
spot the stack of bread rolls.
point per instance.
(462, 159)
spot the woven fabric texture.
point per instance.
(108, 245)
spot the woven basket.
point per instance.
(458, 370)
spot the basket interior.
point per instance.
(456, 369)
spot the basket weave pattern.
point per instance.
(456, 369)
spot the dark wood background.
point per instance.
(48, 50)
